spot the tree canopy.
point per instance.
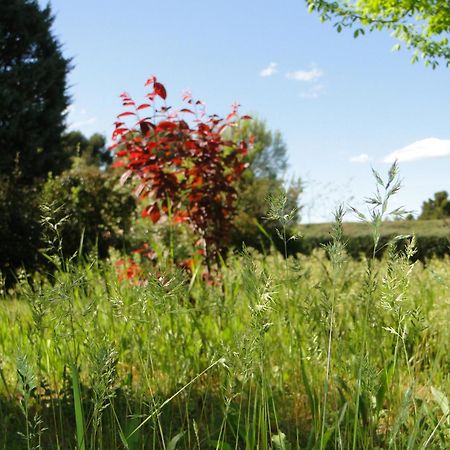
(93, 149)
(267, 156)
(265, 176)
(422, 25)
(437, 207)
(33, 96)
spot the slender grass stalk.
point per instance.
(336, 253)
(79, 415)
(378, 210)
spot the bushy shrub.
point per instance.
(188, 172)
(99, 213)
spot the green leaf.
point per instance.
(79, 417)
(173, 442)
(280, 442)
(441, 400)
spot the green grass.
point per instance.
(244, 366)
(418, 227)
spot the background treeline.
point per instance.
(432, 238)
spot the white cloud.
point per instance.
(314, 91)
(361, 158)
(305, 75)
(423, 149)
(270, 70)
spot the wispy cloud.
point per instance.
(361, 158)
(423, 149)
(82, 123)
(311, 77)
(79, 118)
(305, 75)
(270, 70)
(313, 91)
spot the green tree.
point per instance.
(92, 150)
(436, 208)
(33, 101)
(268, 163)
(268, 155)
(423, 26)
(33, 96)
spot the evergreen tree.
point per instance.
(33, 96)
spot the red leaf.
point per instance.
(151, 80)
(180, 217)
(144, 105)
(117, 164)
(166, 125)
(145, 127)
(160, 90)
(197, 182)
(126, 113)
(231, 115)
(223, 128)
(203, 128)
(118, 131)
(152, 212)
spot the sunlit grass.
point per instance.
(319, 352)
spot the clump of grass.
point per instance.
(28, 386)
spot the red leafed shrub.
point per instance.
(129, 270)
(187, 170)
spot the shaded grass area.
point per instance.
(318, 352)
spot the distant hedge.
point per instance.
(432, 237)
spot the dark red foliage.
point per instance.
(187, 170)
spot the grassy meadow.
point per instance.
(318, 352)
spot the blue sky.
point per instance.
(343, 105)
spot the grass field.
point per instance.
(418, 227)
(319, 352)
